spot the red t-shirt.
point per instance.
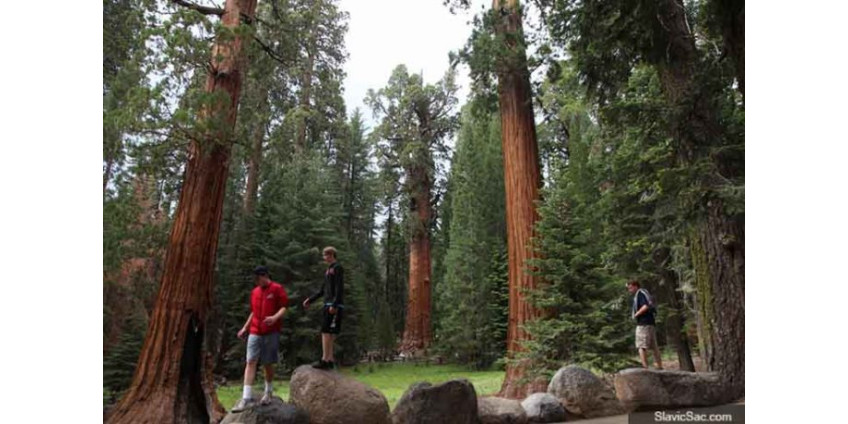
(265, 302)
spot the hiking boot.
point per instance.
(266, 398)
(242, 404)
(330, 365)
(320, 365)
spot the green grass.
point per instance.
(392, 379)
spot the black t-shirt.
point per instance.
(333, 287)
(646, 318)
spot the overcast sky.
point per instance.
(385, 33)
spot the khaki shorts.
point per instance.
(646, 337)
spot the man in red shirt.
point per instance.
(268, 302)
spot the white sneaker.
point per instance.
(242, 404)
(266, 398)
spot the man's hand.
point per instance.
(242, 333)
(306, 303)
(270, 320)
(332, 310)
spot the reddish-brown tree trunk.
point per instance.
(171, 382)
(719, 240)
(522, 182)
(417, 331)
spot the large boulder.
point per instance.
(543, 408)
(331, 398)
(495, 410)
(276, 412)
(452, 402)
(641, 389)
(584, 394)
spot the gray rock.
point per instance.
(641, 389)
(495, 410)
(275, 412)
(543, 408)
(331, 398)
(452, 402)
(584, 394)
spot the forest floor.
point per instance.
(391, 379)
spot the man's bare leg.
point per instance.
(330, 339)
(326, 347)
(269, 374)
(269, 379)
(657, 356)
(249, 373)
(643, 355)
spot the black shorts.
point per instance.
(332, 323)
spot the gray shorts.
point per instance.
(263, 347)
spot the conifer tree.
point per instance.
(415, 121)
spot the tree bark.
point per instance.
(306, 88)
(417, 331)
(522, 183)
(723, 241)
(171, 381)
(719, 240)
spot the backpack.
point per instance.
(652, 305)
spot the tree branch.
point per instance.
(270, 51)
(205, 10)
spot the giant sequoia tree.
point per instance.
(497, 50)
(523, 182)
(169, 383)
(415, 121)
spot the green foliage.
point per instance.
(119, 364)
(415, 121)
(471, 310)
(586, 318)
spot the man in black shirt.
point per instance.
(333, 292)
(643, 313)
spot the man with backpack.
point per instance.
(644, 311)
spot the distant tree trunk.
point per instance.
(388, 250)
(719, 240)
(306, 88)
(416, 334)
(253, 164)
(350, 182)
(732, 15)
(172, 381)
(107, 173)
(522, 181)
(675, 318)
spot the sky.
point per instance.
(385, 33)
